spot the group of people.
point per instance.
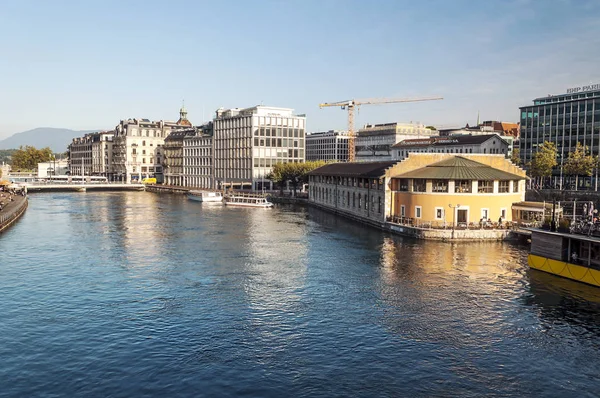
(7, 195)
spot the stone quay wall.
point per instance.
(12, 211)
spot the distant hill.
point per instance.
(41, 137)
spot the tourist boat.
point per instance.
(247, 200)
(571, 256)
(205, 196)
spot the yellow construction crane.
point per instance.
(351, 104)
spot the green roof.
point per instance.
(459, 168)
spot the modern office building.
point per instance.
(329, 145)
(249, 142)
(198, 158)
(457, 144)
(374, 142)
(565, 120)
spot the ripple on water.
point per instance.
(122, 294)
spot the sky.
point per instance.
(88, 64)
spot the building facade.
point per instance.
(565, 120)
(329, 145)
(456, 144)
(80, 155)
(137, 149)
(432, 188)
(374, 142)
(249, 142)
(102, 153)
(173, 156)
(458, 190)
(198, 158)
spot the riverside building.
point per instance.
(374, 141)
(80, 155)
(329, 145)
(565, 120)
(137, 148)
(249, 142)
(425, 190)
(102, 153)
(198, 158)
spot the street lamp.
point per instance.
(453, 213)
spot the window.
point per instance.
(379, 205)
(462, 186)
(403, 185)
(516, 186)
(503, 186)
(402, 211)
(418, 210)
(419, 185)
(485, 186)
(353, 199)
(439, 213)
(503, 214)
(485, 213)
(359, 201)
(439, 186)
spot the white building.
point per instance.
(102, 153)
(486, 144)
(137, 148)
(198, 158)
(248, 142)
(53, 168)
(374, 142)
(329, 145)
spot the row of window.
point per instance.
(372, 183)
(440, 213)
(460, 186)
(344, 199)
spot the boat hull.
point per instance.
(566, 270)
(236, 204)
(205, 197)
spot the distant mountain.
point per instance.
(41, 137)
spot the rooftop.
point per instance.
(459, 168)
(445, 141)
(357, 169)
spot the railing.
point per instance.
(6, 219)
(418, 223)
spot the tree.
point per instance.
(294, 173)
(579, 163)
(28, 157)
(544, 160)
(515, 157)
(431, 128)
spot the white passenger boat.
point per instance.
(247, 200)
(205, 196)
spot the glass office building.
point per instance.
(564, 119)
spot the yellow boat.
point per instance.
(571, 256)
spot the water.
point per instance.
(137, 294)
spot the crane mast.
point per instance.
(351, 105)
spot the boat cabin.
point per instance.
(570, 248)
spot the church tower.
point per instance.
(183, 120)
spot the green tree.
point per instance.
(294, 173)
(28, 157)
(431, 128)
(544, 160)
(515, 157)
(579, 163)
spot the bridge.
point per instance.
(79, 187)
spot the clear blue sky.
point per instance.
(88, 64)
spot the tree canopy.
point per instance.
(579, 163)
(544, 160)
(431, 128)
(295, 173)
(515, 157)
(28, 157)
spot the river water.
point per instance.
(139, 294)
